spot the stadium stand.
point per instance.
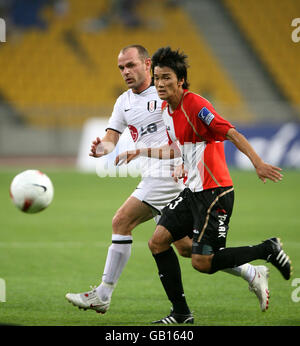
(267, 26)
(61, 76)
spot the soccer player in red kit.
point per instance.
(205, 206)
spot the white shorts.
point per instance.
(157, 193)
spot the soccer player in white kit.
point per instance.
(139, 109)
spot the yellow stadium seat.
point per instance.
(62, 76)
(267, 26)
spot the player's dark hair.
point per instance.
(143, 53)
(173, 59)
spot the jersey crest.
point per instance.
(151, 106)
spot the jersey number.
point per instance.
(174, 204)
(149, 129)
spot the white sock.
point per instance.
(246, 271)
(116, 259)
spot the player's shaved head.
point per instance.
(142, 51)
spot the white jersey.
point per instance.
(141, 113)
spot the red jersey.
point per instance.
(200, 131)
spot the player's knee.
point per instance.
(121, 224)
(157, 246)
(160, 240)
(202, 263)
(153, 246)
(184, 251)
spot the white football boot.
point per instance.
(88, 300)
(259, 286)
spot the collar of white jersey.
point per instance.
(144, 91)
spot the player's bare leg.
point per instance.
(132, 213)
(184, 246)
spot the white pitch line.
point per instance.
(60, 245)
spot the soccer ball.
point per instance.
(31, 191)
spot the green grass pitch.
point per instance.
(63, 249)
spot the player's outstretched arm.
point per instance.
(103, 147)
(164, 152)
(264, 170)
